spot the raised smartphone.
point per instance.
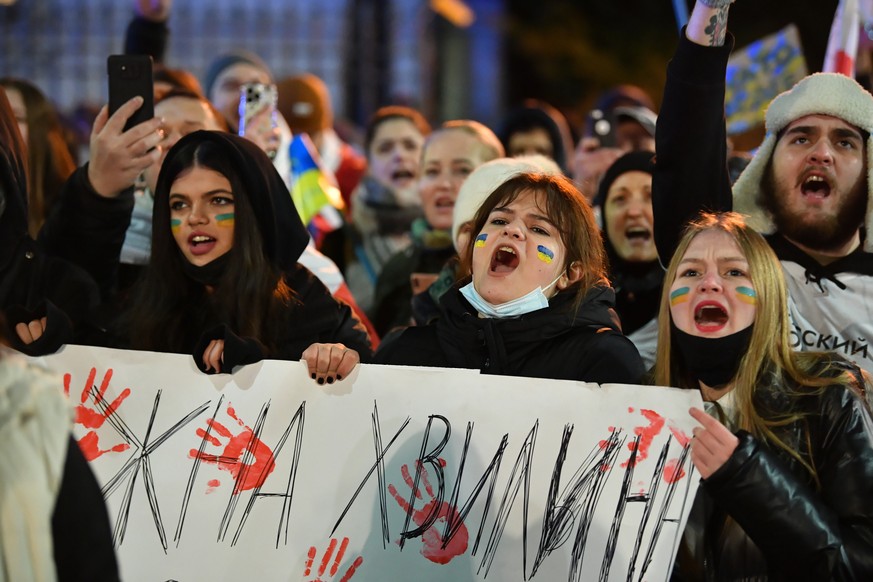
(129, 76)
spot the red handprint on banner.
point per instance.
(672, 469)
(325, 560)
(253, 467)
(93, 413)
(431, 541)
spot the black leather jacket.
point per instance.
(761, 516)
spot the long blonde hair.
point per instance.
(770, 357)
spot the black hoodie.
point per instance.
(556, 342)
(33, 285)
(314, 316)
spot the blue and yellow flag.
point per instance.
(313, 189)
(759, 72)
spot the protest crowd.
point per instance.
(652, 254)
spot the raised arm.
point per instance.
(147, 33)
(691, 164)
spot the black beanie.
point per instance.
(634, 161)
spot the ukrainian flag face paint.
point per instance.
(225, 220)
(712, 294)
(518, 250)
(545, 254)
(202, 215)
(747, 295)
(679, 296)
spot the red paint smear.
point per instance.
(327, 554)
(673, 471)
(256, 472)
(90, 445)
(630, 409)
(202, 434)
(431, 539)
(311, 558)
(680, 436)
(339, 556)
(352, 569)
(603, 445)
(647, 434)
(91, 417)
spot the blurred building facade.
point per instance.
(369, 52)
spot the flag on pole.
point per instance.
(843, 40)
(314, 190)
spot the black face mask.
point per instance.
(713, 361)
(210, 273)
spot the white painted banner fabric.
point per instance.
(396, 473)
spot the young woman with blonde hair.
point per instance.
(787, 453)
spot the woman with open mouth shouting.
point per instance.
(786, 451)
(223, 283)
(538, 303)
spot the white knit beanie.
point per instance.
(823, 94)
(486, 178)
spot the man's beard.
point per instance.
(824, 233)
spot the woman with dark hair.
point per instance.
(786, 451)
(49, 160)
(538, 303)
(223, 282)
(44, 299)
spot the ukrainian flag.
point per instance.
(313, 189)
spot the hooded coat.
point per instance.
(637, 284)
(32, 284)
(313, 314)
(556, 342)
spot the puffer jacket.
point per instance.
(761, 516)
(556, 342)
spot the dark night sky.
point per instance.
(566, 52)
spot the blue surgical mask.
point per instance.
(527, 303)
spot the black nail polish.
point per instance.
(313, 376)
(339, 376)
(330, 380)
(321, 380)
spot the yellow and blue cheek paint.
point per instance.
(175, 225)
(545, 254)
(678, 296)
(747, 295)
(480, 240)
(225, 220)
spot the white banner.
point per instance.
(395, 473)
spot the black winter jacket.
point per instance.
(762, 517)
(32, 284)
(553, 342)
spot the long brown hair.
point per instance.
(49, 159)
(571, 213)
(769, 357)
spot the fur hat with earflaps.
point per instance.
(823, 94)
